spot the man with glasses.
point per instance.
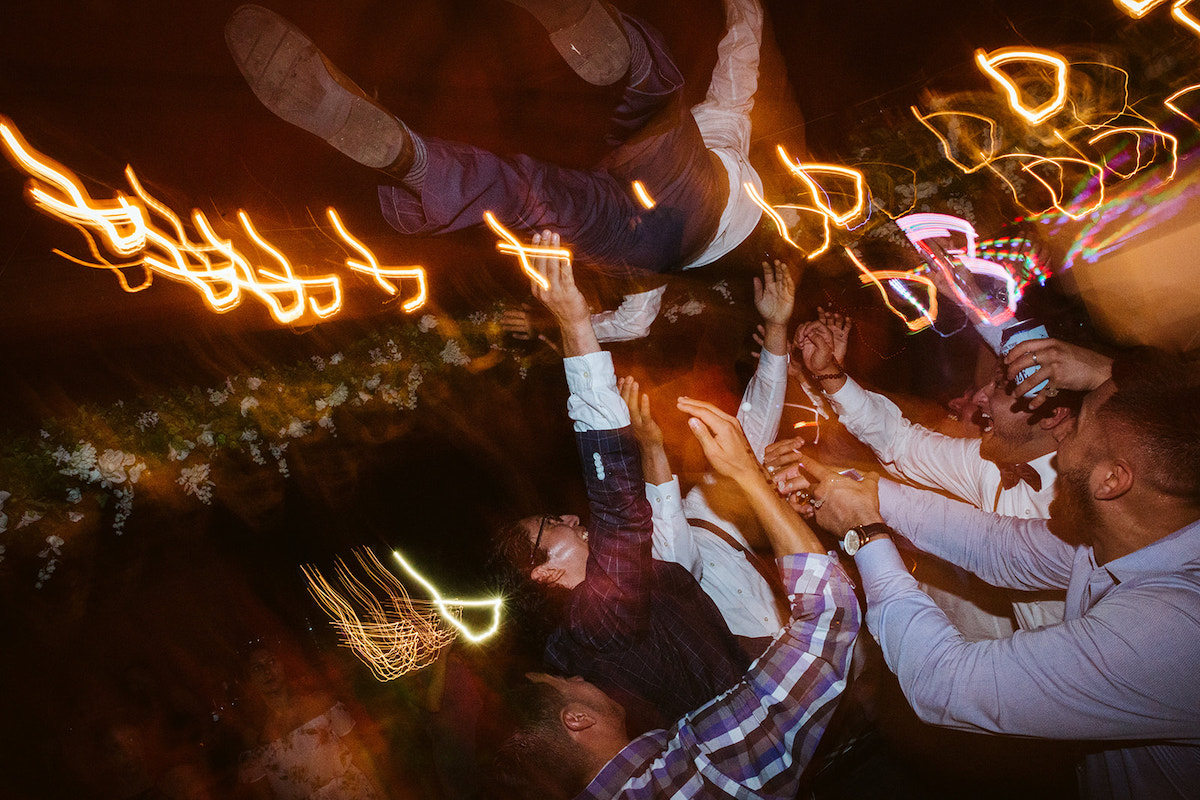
(640, 629)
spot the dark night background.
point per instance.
(98, 84)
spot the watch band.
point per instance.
(858, 536)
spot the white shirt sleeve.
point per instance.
(672, 539)
(762, 402)
(911, 451)
(630, 320)
(594, 404)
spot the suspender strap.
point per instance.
(768, 571)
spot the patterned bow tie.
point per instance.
(1012, 474)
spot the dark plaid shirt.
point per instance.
(642, 630)
(755, 740)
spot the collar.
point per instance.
(1172, 553)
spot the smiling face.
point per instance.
(1010, 434)
(564, 542)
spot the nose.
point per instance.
(980, 397)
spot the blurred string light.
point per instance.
(643, 195)
(991, 62)
(1075, 182)
(926, 310)
(512, 246)
(388, 631)
(451, 609)
(1184, 18)
(958, 268)
(370, 266)
(1171, 101)
(150, 237)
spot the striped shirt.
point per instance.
(755, 739)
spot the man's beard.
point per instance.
(1073, 516)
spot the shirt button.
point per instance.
(739, 591)
(711, 564)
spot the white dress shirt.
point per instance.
(952, 465)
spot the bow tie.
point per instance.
(1012, 474)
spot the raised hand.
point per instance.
(839, 502)
(775, 293)
(563, 298)
(518, 322)
(1063, 365)
(645, 428)
(839, 327)
(721, 438)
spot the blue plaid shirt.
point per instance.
(755, 739)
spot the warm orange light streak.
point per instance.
(990, 62)
(388, 631)
(643, 196)
(1056, 194)
(1138, 8)
(1183, 17)
(986, 155)
(451, 610)
(1170, 102)
(126, 228)
(804, 173)
(773, 215)
(1170, 141)
(805, 425)
(513, 247)
(370, 266)
(928, 315)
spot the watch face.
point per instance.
(852, 542)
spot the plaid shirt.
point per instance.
(641, 629)
(756, 739)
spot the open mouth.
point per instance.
(983, 420)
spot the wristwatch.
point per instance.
(856, 537)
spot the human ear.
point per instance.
(1116, 479)
(577, 718)
(543, 573)
(1057, 419)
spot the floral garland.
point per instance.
(99, 457)
(104, 454)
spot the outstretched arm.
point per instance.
(729, 453)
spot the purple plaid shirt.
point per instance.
(642, 630)
(755, 739)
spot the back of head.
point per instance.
(539, 760)
(1155, 411)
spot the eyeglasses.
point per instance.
(538, 540)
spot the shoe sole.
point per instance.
(595, 47)
(294, 80)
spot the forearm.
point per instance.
(775, 338)
(655, 467)
(579, 338)
(785, 529)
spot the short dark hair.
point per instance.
(539, 760)
(538, 609)
(1155, 408)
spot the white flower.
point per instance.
(277, 453)
(478, 318)
(256, 455)
(81, 463)
(372, 383)
(217, 398)
(74, 495)
(452, 354)
(427, 323)
(254, 383)
(692, 308)
(112, 465)
(136, 471)
(45, 434)
(295, 429)
(376, 357)
(337, 396)
(336, 358)
(249, 435)
(206, 438)
(180, 455)
(147, 419)
(248, 402)
(4, 498)
(319, 363)
(3, 522)
(30, 517)
(722, 288)
(326, 422)
(195, 481)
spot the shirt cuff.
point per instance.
(594, 404)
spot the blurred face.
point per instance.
(1074, 514)
(564, 540)
(265, 672)
(1009, 433)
